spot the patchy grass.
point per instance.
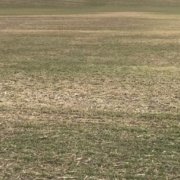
(90, 96)
(14, 7)
(90, 150)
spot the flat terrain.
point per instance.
(21, 7)
(89, 90)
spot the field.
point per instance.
(89, 90)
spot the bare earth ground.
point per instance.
(90, 96)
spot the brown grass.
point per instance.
(90, 96)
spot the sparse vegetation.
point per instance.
(90, 92)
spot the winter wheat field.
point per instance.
(89, 89)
